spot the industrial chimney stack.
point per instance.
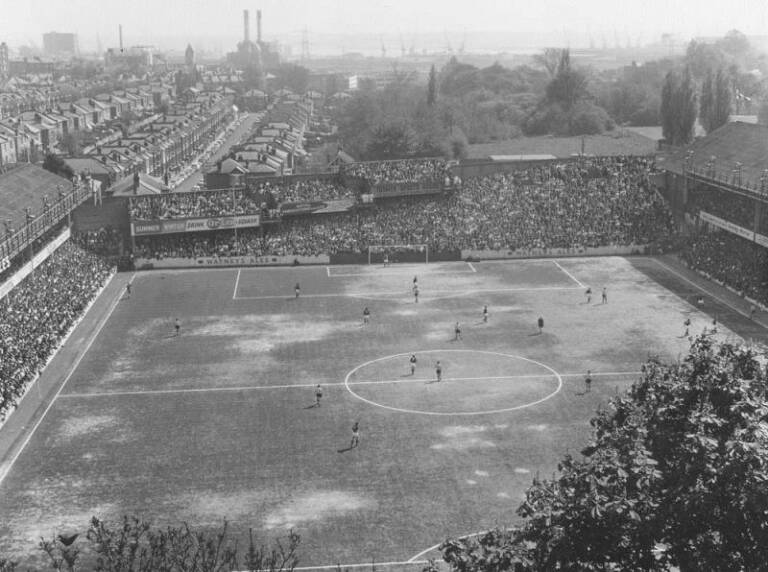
(121, 37)
(246, 31)
(258, 26)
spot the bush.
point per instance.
(588, 119)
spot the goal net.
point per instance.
(377, 253)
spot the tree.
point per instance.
(549, 59)
(715, 105)
(457, 146)
(569, 85)
(391, 140)
(72, 143)
(673, 478)
(56, 165)
(134, 545)
(707, 101)
(432, 87)
(678, 108)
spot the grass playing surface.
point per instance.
(220, 421)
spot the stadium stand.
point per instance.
(39, 312)
(596, 203)
(732, 261)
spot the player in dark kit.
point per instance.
(605, 295)
(128, 290)
(177, 326)
(485, 314)
(412, 362)
(355, 435)
(416, 294)
(366, 315)
(439, 371)
(541, 324)
(588, 382)
(456, 332)
(687, 325)
(318, 395)
(588, 294)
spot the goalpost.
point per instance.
(398, 253)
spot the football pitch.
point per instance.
(221, 421)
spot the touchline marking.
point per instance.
(329, 384)
(415, 559)
(370, 295)
(472, 267)
(707, 292)
(237, 281)
(4, 471)
(571, 276)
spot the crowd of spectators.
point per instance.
(731, 260)
(607, 201)
(235, 202)
(198, 204)
(402, 171)
(732, 207)
(37, 314)
(106, 241)
(307, 190)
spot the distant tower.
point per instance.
(189, 56)
(120, 27)
(258, 27)
(246, 27)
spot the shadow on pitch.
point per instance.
(345, 450)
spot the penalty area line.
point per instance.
(237, 282)
(571, 276)
(399, 293)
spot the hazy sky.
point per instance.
(161, 21)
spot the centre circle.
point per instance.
(473, 382)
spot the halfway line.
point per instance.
(330, 384)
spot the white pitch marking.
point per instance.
(328, 271)
(237, 281)
(329, 384)
(7, 469)
(456, 413)
(372, 295)
(371, 565)
(472, 267)
(571, 276)
(415, 559)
